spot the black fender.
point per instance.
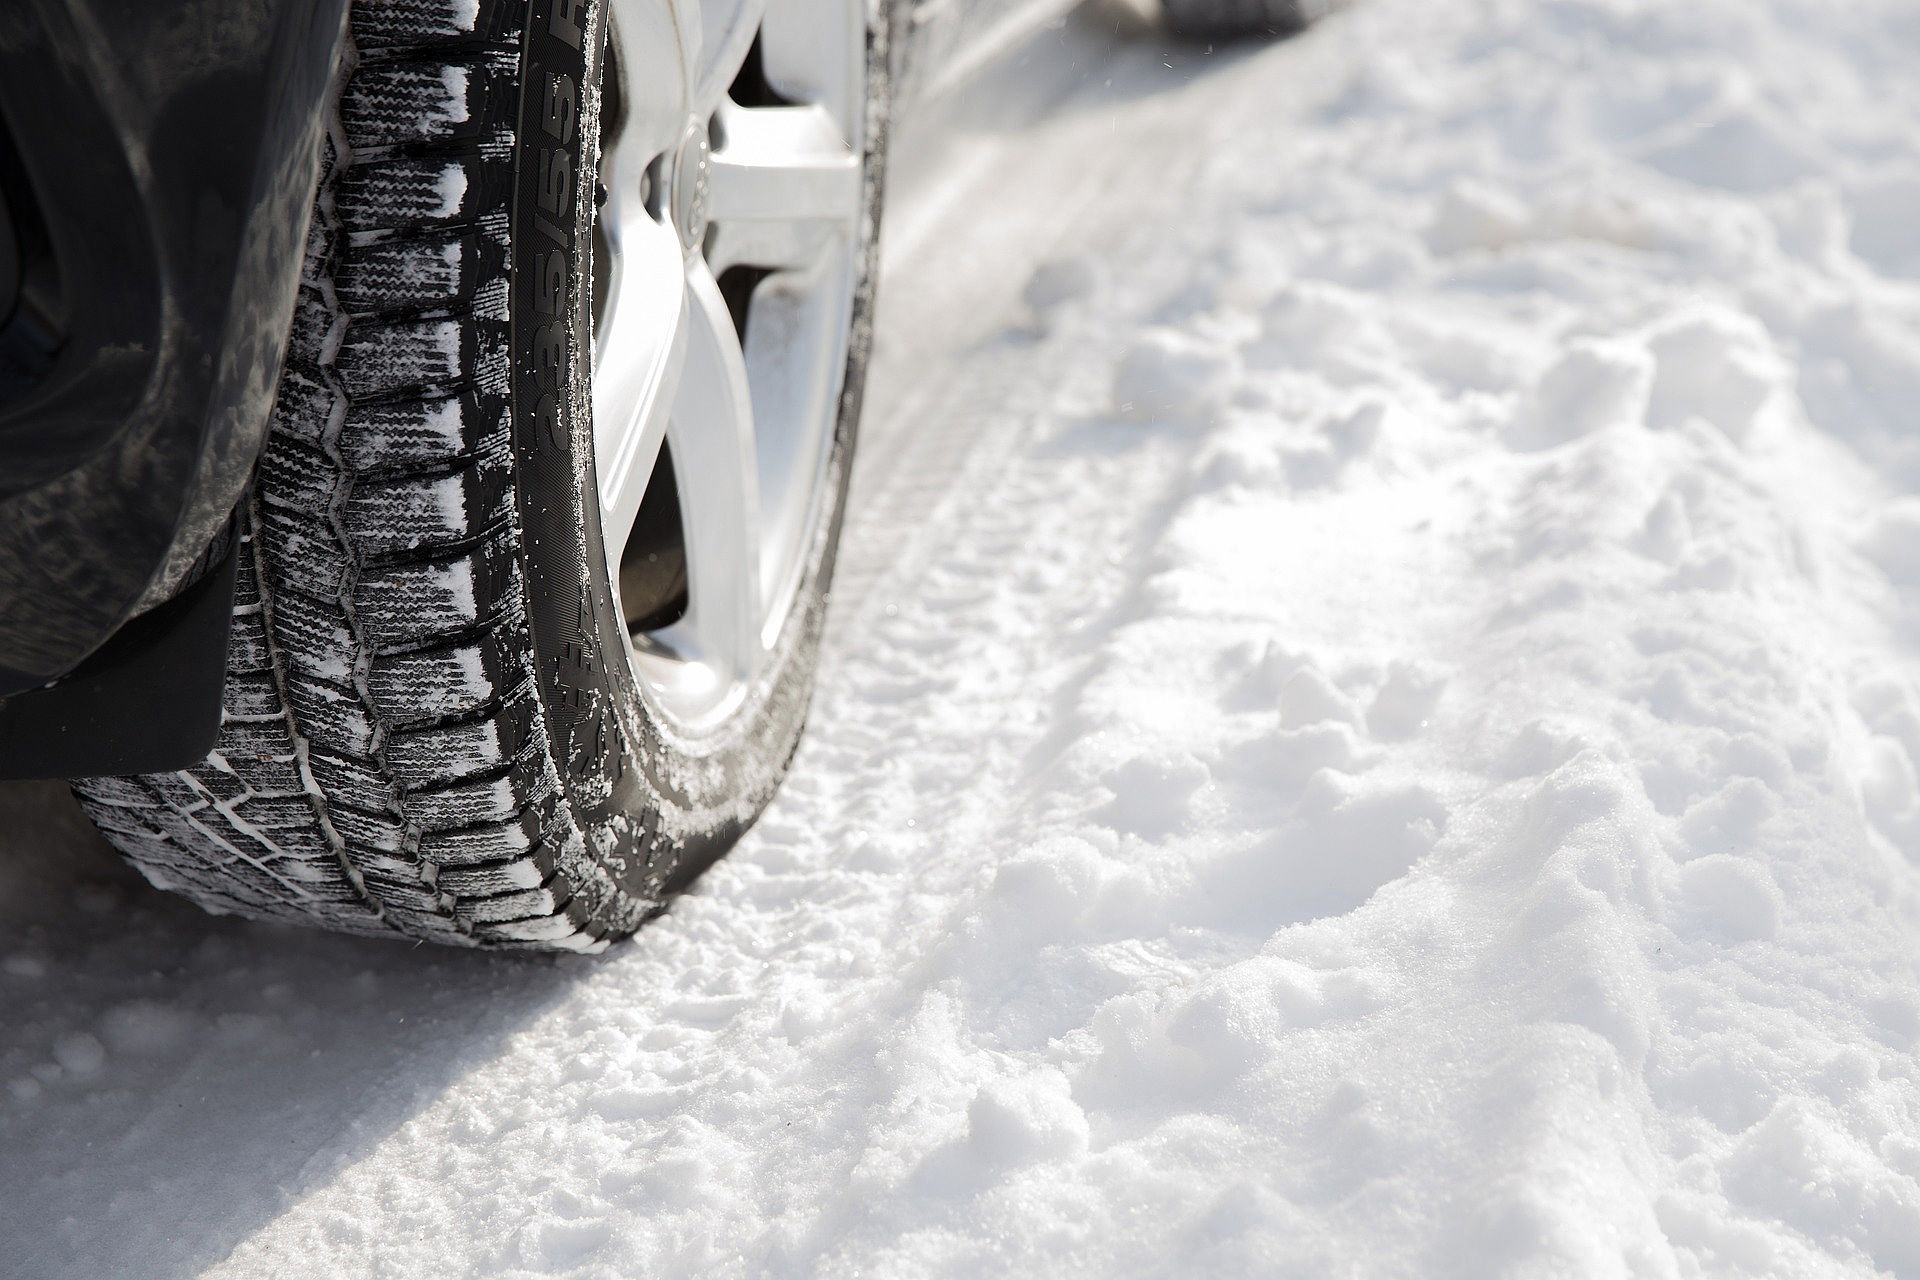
(157, 165)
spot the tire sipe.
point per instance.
(432, 727)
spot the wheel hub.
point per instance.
(691, 185)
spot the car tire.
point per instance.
(433, 726)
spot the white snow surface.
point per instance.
(1369, 728)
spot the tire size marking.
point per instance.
(559, 116)
(553, 209)
(564, 22)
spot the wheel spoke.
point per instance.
(785, 186)
(712, 433)
(806, 60)
(638, 357)
(728, 28)
(693, 184)
(656, 46)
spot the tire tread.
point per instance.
(382, 766)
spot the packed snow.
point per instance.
(1370, 728)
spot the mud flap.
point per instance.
(148, 701)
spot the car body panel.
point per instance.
(170, 150)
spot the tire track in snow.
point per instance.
(999, 540)
(1401, 681)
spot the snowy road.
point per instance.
(1369, 728)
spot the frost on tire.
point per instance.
(381, 768)
(392, 759)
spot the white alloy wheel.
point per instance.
(727, 253)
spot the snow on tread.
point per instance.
(406, 356)
(382, 662)
(416, 104)
(384, 25)
(441, 271)
(431, 431)
(1370, 730)
(412, 194)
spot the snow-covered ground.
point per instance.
(1370, 728)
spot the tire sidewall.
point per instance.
(656, 806)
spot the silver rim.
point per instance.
(715, 407)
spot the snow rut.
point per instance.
(1370, 728)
